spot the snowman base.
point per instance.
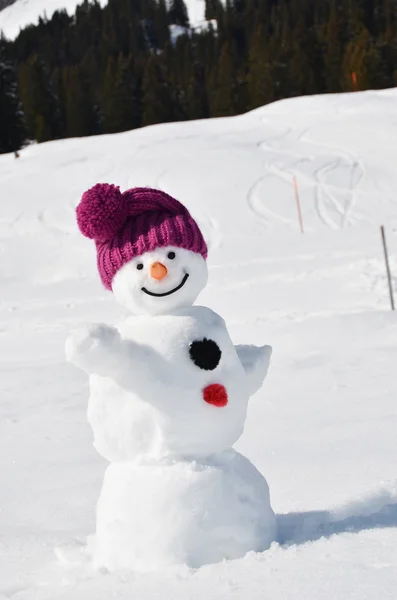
(182, 512)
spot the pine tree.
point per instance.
(129, 95)
(120, 97)
(260, 84)
(108, 97)
(280, 51)
(78, 107)
(39, 103)
(157, 97)
(222, 85)
(196, 98)
(213, 9)
(301, 74)
(91, 72)
(177, 13)
(12, 127)
(57, 86)
(161, 24)
(333, 52)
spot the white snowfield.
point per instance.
(27, 12)
(322, 430)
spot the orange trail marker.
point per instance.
(298, 204)
(354, 80)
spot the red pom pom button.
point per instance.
(215, 394)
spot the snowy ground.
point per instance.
(26, 12)
(323, 429)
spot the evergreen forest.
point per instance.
(138, 62)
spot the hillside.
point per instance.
(323, 428)
(134, 63)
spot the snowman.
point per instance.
(168, 395)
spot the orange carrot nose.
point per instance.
(158, 270)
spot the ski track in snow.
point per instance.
(327, 195)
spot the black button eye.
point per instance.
(171, 255)
(205, 354)
(139, 266)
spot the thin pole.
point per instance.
(382, 229)
(298, 204)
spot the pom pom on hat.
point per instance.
(102, 212)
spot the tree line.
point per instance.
(138, 62)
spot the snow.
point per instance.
(322, 429)
(176, 31)
(182, 512)
(26, 12)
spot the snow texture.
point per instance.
(322, 430)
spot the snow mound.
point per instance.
(191, 513)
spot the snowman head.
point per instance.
(150, 251)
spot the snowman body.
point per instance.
(158, 409)
(191, 512)
(176, 492)
(168, 395)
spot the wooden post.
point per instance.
(298, 204)
(354, 80)
(382, 229)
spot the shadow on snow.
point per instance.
(375, 512)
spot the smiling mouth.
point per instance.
(184, 280)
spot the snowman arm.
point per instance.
(255, 361)
(100, 350)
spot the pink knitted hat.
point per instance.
(129, 224)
